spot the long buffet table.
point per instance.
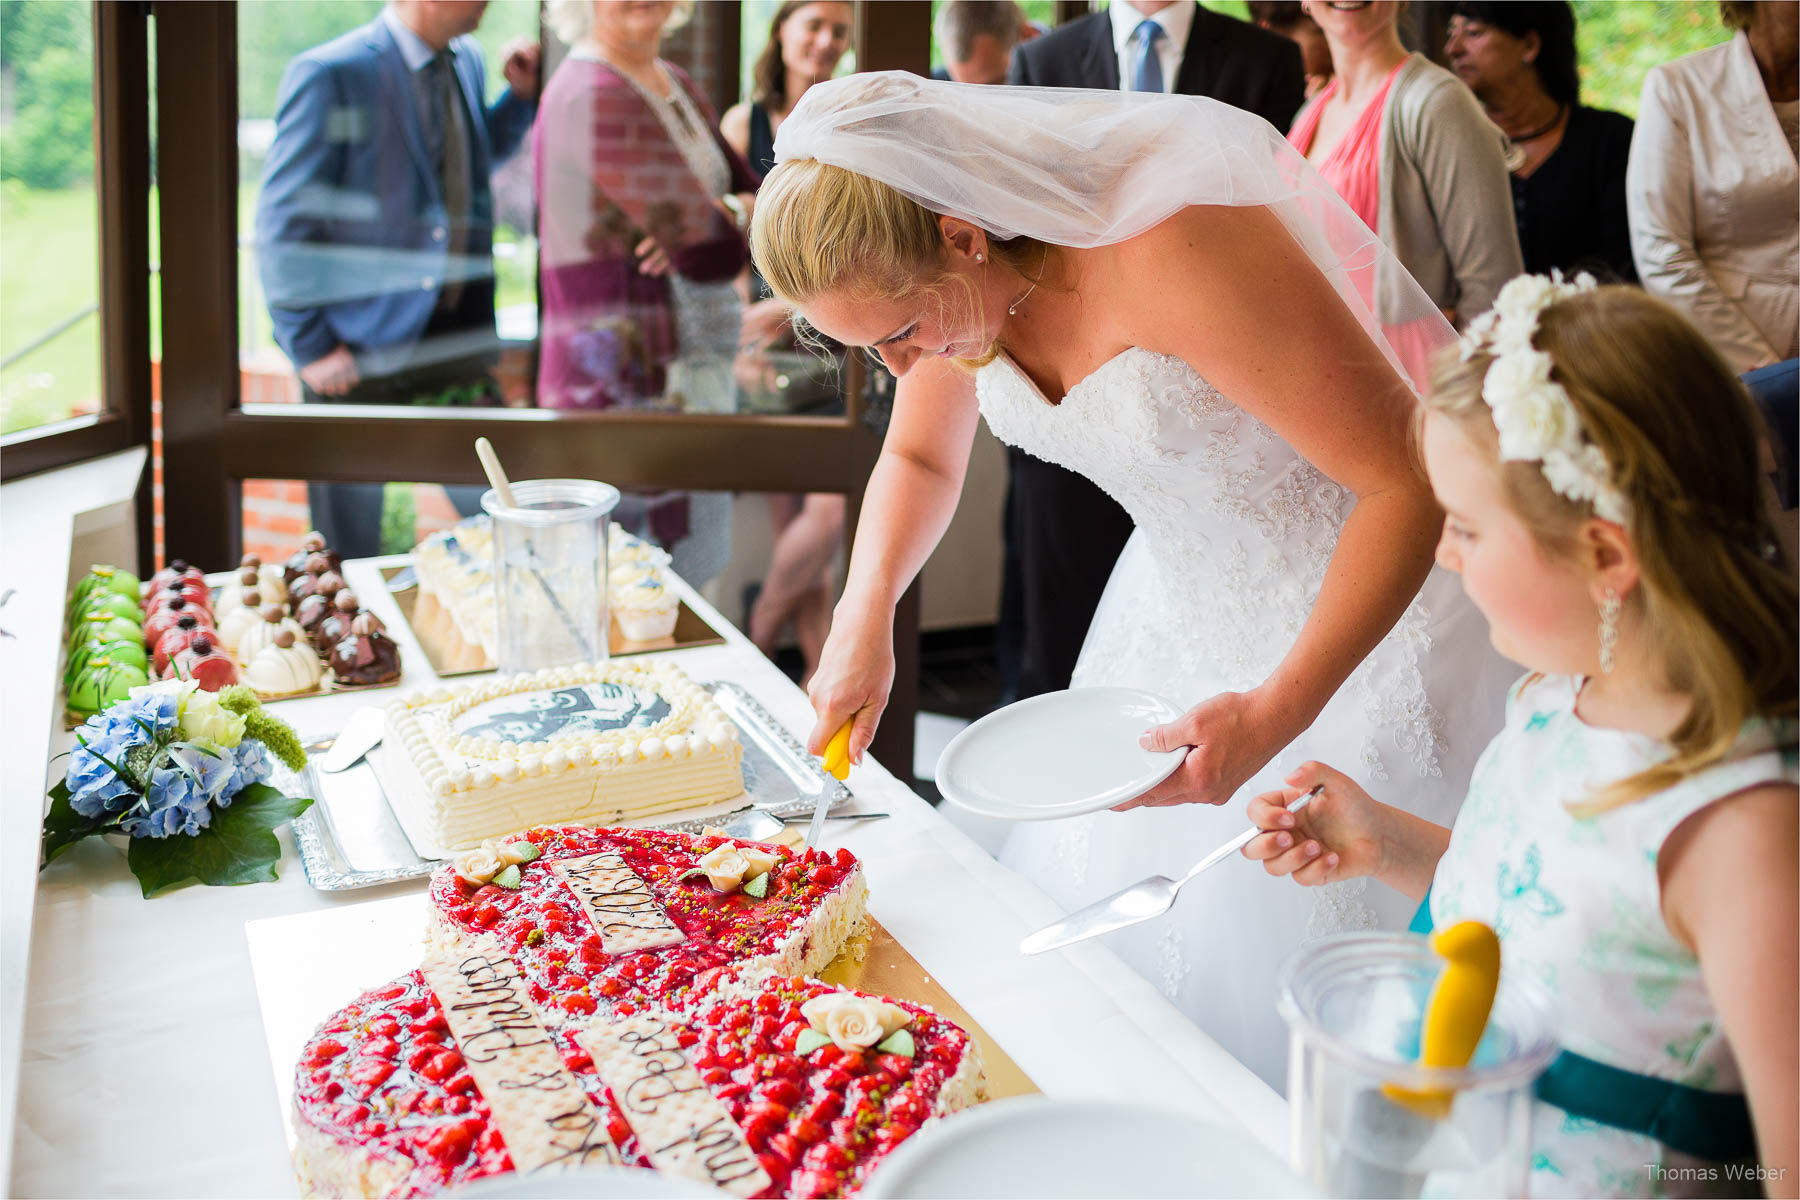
(143, 1068)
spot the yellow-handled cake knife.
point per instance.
(837, 763)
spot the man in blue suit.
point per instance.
(374, 227)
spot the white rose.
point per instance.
(477, 866)
(1537, 424)
(757, 861)
(1525, 296)
(725, 867)
(203, 719)
(854, 1022)
(506, 853)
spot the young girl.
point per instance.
(1631, 833)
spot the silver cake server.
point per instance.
(1142, 900)
(361, 734)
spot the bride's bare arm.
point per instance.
(1261, 324)
(911, 496)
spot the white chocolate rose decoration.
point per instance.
(508, 853)
(725, 867)
(477, 866)
(760, 861)
(854, 1022)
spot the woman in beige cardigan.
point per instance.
(1711, 185)
(1411, 151)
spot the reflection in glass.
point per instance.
(49, 216)
(374, 223)
(641, 205)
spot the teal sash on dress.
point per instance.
(1709, 1125)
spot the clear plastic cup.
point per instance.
(1354, 1005)
(550, 571)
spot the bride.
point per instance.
(1158, 292)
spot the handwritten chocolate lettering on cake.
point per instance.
(547, 1120)
(618, 902)
(681, 1125)
(552, 713)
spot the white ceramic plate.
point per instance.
(1031, 1146)
(1058, 755)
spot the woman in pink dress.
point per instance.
(1408, 147)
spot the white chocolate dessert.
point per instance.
(260, 633)
(287, 666)
(590, 744)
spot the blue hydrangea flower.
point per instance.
(254, 765)
(179, 801)
(94, 788)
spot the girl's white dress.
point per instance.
(1234, 533)
(1578, 907)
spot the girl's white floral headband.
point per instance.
(1533, 414)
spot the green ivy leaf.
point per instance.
(63, 826)
(238, 847)
(898, 1042)
(758, 887)
(509, 878)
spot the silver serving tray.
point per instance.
(350, 838)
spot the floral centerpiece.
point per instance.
(183, 773)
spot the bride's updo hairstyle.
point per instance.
(819, 228)
(1677, 429)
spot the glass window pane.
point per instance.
(49, 216)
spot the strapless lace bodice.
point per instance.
(1240, 526)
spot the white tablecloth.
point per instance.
(144, 1071)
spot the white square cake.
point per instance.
(596, 743)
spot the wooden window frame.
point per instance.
(122, 186)
(211, 443)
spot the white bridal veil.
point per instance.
(1088, 168)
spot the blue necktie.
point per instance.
(1148, 76)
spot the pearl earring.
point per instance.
(1609, 630)
(979, 258)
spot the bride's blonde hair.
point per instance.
(819, 228)
(1717, 600)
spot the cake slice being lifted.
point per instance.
(590, 744)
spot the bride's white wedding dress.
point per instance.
(1234, 533)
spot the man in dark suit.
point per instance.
(374, 226)
(1063, 533)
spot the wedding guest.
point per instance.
(807, 38)
(1409, 149)
(1065, 532)
(641, 209)
(1289, 19)
(1568, 185)
(1712, 187)
(374, 225)
(977, 37)
(1639, 808)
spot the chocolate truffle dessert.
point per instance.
(365, 654)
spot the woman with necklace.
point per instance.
(1410, 151)
(1568, 186)
(641, 207)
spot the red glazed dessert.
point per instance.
(204, 662)
(197, 595)
(176, 572)
(175, 640)
(759, 1084)
(169, 617)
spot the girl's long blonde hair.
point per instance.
(1717, 599)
